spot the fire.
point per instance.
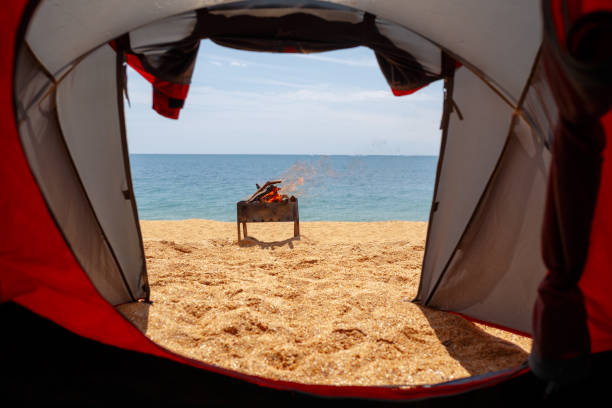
(269, 193)
(273, 196)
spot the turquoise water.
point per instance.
(329, 188)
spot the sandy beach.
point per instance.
(332, 307)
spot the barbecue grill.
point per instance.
(253, 210)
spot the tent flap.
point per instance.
(473, 147)
(497, 264)
(88, 113)
(167, 61)
(60, 182)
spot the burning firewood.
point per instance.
(268, 193)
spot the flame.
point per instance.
(273, 196)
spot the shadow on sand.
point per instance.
(250, 241)
(476, 350)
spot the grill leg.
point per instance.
(296, 221)
(238, 224)
(244, 229)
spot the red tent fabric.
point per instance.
(573, 313)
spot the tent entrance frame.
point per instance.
(175, 355)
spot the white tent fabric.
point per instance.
(61, 31)
(168, 30)
(497, 38)
(59, 182)
(497, 265)
(472, 149)
(427, 53)
(89, 118)
(331, 15)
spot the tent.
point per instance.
(519, 214)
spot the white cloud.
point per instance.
(305, 128)
(276, 83)
(202, 95)
(314, 93)
(221, 60)
(337, 97)
(365, 62)
(354, 62)
(269, 112)
(219, 121)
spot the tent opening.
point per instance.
(334, 305)
(74, 135)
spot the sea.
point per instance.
(328, 188)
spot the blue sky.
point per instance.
(263, 103)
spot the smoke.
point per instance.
(304, 179)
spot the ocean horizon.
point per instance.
(328, 187)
